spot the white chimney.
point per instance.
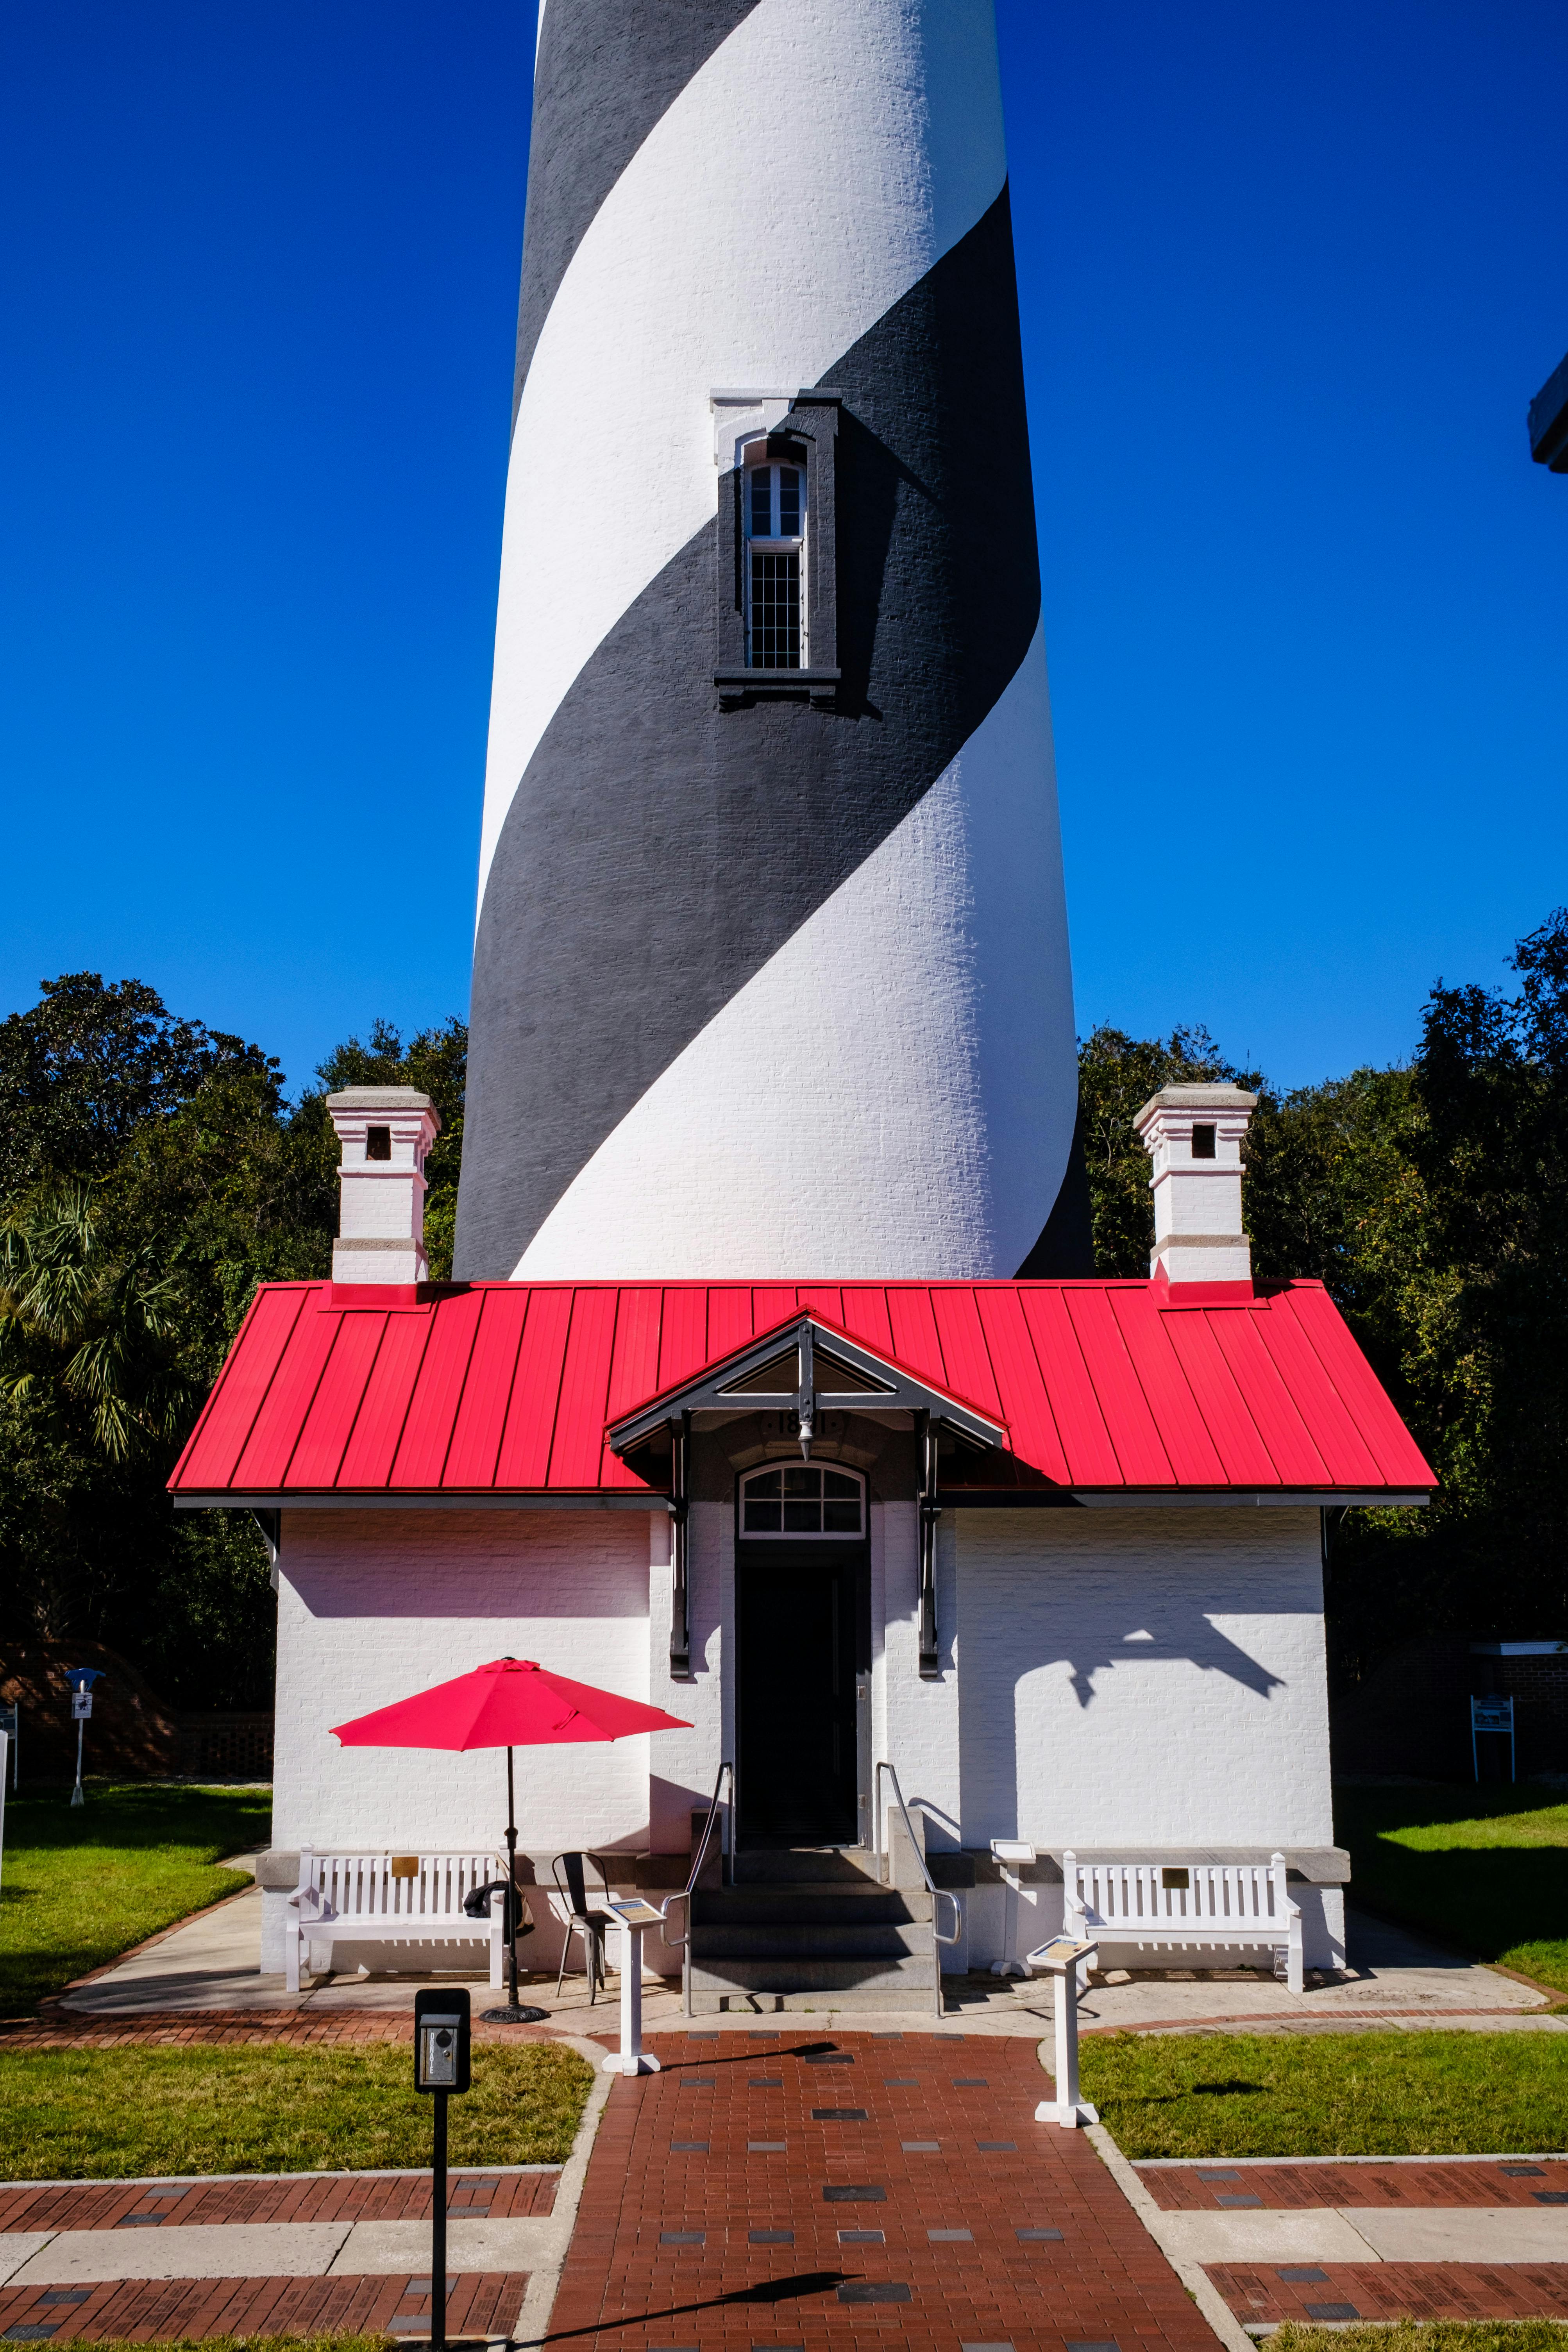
(1194, 1134)
(384, 1133)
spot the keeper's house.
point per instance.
(1052, 1550)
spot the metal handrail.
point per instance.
(937, 1893)
(682, 1942)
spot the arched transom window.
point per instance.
(775, 547)
(792, 1499)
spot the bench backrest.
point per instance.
(1145, 1894)
(364, 1887)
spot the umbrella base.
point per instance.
(514, 2014)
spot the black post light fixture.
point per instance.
(441, 2069)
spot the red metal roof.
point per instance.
(506, 1388)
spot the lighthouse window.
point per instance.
(776, 519)
(800, 1499)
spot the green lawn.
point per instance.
(81, 1885)
(1421, 2336)
(116, 2115)
(248, 2343)
(1482, 1866)
(1330, 2093)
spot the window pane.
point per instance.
(762, 1519)
(766, 1482)
(775, 612)
(761, 502)
(841, 1518)
(802, 1518)
(802, 1482)
(834, 1482)
(789, 502)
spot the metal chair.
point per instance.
(581, 1920)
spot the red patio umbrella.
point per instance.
(510, 1703)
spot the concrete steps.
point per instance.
(792, 1941)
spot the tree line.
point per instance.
(153, 1171)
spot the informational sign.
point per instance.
(1492, 1713)
(1061, 1952)
(82, 1707)
(634, 1912)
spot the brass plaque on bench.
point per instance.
(404, 1866)
(1167, 1877)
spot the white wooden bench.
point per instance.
(387, 1898)
(1172, 1906)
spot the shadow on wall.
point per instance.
(1185, 1637)
(471, 1565)
(1199, 1642)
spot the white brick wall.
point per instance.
(1143, 1676)
(920, 1721)
(374, 1605)
(1109, 1677)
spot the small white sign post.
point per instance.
(1013, 1856)
(81, 1710)
(1063, 1957)
(633, 1914)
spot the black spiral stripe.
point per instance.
(600, 85)
(678, 845)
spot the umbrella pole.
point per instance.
(515, 2013)
(511, 1902)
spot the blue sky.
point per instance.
(1290, 278)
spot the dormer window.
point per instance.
(775, 552)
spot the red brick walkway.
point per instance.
(775, 2190)
(1208, 2187)
(1312, 2291)
(483, 2304)
(63, 2029)
(1265, 2292)
(298, 2197)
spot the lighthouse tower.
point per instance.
(771, 975)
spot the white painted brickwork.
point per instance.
(921, 1719)
(374, 1605)
(1143, 1676)
(1111, 1678)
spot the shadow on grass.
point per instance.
(1483, 1868)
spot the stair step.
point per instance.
(783, 1865)
(868, 1905)
(918, 2001)
(830, 1940)
(914, 1974)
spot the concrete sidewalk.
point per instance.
(1345, 2238)
(210, 1962)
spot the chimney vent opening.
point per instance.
(378, 1142)
(1203, 1141)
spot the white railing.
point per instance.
(682, 1942)
(937, 1893)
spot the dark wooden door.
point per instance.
(801, 1612)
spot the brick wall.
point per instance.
(1411, 1713)
(133, 1734)
(1143, 1676)
(373, 1605)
